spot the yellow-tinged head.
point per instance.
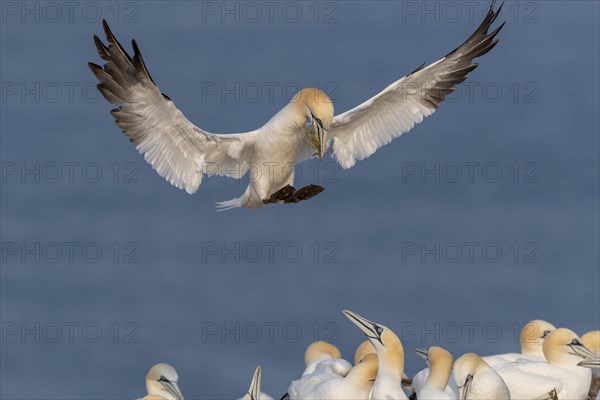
(314, 105)
(563, 347)
(591, 340)
(363, 350)
(318, 351)
(162, 380)
(387, 344)
(440, 365)
(533, 335)
(364, 373)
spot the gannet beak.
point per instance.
(370, 329)
(254, 391)
(173, 389)
(321, 133)
(322, 141)
(590, 359)
(423, 353)
(466, 386)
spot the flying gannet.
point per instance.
(390, 355)
(183, 153)
(161, 381)
(563, 373)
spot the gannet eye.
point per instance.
(575, 342)
(163, 379)
(379, 330)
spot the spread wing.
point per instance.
(358, 133)
(177, 149)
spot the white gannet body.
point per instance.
(531, 340)
(161, 381)
(563, 371)
(435, 385)
(323, 363)
(390, 354)
(321, 351)
(356, 385)
(476, 380)
(183, 153)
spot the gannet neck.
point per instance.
(362, 350)
(532, 337)
(440, 367)
(363, 375)
(391, 359)
(318, 351)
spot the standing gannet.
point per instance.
(563, 372)
(434, 384)
(362, 350)
(390, 354)
(356, 385)
(161, 380)
(476, 380)
(183, 153)
(531, 340)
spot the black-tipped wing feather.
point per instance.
(179, 151)
(358, 133)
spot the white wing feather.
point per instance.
(359, 132)
(177, 149)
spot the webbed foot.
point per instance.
(280, 195)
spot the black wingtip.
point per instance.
(94, 66)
